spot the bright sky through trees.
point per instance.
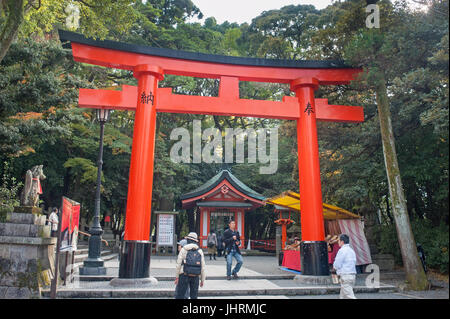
(241, 11)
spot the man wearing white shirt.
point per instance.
(53, 219)
(344, 264)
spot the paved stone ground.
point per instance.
(257, 275)
(390, 295)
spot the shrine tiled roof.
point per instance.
(215, 180)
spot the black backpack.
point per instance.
(193, 263)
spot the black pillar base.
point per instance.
(135, 259)
(314, 258)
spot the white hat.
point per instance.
(192, 236)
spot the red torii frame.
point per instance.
(146, 99)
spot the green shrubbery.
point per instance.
(434, 241)
(8, 192)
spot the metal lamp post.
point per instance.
(94, 264)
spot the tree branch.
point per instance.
(30, 4)
(87, 4)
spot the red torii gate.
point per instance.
(149, 66)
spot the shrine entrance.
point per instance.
(219, 200)
(149, 65)
(219, 220)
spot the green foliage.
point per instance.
(434, 241)
(95, 17)
(83, 169)
(9, 192)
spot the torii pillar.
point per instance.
(313, 247)
(136, 251)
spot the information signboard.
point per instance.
(166, 223)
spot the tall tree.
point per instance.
(90, 17)
(372, 49)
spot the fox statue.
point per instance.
(32, 189)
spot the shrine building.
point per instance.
(221, 199)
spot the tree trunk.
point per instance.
(11, 27)
(415, 274)
(388, 210)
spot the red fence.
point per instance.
(263, 244)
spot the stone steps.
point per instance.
(212, 288)
(109, 277)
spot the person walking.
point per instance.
(190, 269)
(53, 220)
(344, 264)
(232, 242)
(212, 244)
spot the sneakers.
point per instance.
(235, 276)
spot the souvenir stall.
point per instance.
(337, 221)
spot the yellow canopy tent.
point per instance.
(291, 200)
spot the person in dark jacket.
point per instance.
(219, 245)
(232, 241)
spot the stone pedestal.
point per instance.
(27, 255)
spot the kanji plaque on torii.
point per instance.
(149, 66)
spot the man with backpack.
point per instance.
(190, 270)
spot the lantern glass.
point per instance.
(103, 115)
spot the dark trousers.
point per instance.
(183, 283)
(186, 295)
